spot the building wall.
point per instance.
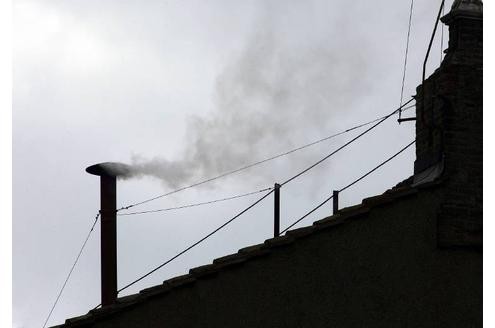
(449, 129)
(381, 270)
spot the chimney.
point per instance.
(449, 127)
(108, 173)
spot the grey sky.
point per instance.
(183, 82)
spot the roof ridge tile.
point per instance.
(375, 201)
(180, 280)
(278, 241)
(254, 250)
(353, 211)
(329, 221)
(156, 290)
(231, 259)
(301, 232)
(204, 270)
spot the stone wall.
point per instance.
(449, 130)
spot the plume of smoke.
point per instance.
(280, 87)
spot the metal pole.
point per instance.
(335, 201)
(276, 211)
(108, 198)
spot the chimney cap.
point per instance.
(465, 8)
(468, 5)
(111, 169)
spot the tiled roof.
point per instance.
(401, 191)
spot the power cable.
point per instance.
(263, 161)
(71, 269)
(405, 58)
(423, 120)
(251, 206)
(441, 38)
(348, 186)
(378, 166)
(344, 145)
(380, 119)
(197, 242)
(199, 204)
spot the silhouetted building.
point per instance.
(411, 257)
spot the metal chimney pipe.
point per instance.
(108, 173)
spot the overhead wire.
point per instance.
(348, 186)
(259, 200)
(405, 58)
(423, 119)
(199, 204)
(343, 146)
(71, 270)
(197, 242)
(441, 38)
(248, 166)
(378, 166)
(379, 120)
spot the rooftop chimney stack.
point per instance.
(449, 128)
(108, 173)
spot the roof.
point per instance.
(400, 192)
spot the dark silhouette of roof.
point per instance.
(401, 191)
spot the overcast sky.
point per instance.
(193, 89)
